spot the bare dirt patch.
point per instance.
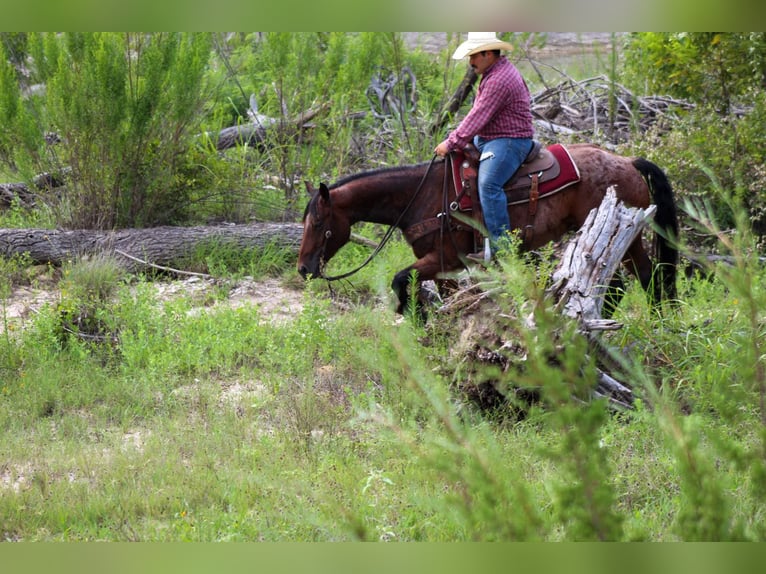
(275, 301)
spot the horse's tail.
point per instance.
(666, 218)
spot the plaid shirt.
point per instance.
(501, 108)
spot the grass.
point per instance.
(216, 424)
(199, 421)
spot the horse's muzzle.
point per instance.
(305, 271)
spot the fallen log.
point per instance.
(255, 132)
(155, 247)
(11, 193)
(21, 193)
(138, 249)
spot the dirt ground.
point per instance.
(274, 300)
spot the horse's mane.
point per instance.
(399, 169)
(374, 172)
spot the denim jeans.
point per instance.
(500, 158)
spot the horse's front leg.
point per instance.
(409, 278)
(402, 285)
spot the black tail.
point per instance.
(666, 218)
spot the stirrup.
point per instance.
(484, 257)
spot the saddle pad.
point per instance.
(518, 192)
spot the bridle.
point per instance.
(386, 237)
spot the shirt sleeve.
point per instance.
(487, 104)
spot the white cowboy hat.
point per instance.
(478, 42)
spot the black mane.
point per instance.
(393, 170)
(373, 172)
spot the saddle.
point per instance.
(544, 171)
(540, 166)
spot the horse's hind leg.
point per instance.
(639, 264)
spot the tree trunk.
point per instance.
(456, 101)
(140, 248)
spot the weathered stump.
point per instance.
(578, 287)
(591, 259)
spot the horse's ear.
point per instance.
(309, 188)
(324, 191)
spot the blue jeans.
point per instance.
(500, 158)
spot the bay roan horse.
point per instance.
(419, 199)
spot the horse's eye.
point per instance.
(328, 234)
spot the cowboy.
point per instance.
(499, 124)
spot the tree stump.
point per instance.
(578, 286)
(592, 257)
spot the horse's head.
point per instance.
(324, 232)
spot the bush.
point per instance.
(715, 69)
(87, 288)
(708, 155)
(124, 106)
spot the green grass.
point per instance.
(198, 421)
(215, 424)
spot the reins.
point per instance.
(388, 234)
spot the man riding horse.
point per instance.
(499, 125)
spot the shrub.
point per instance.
(715, 69)
(87, 287)
(124, 107)
(707, 154)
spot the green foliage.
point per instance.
(87, 287)
(13, 271)
(716, 69)
(17, 216)
(125, 107)
(93, 279)
(17, 120)
(713, 160)
(222, 260)
(290, 73)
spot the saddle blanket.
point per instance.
(568, 175)
(556, 175)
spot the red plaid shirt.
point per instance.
(501, 108)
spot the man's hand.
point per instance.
(442, 149)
